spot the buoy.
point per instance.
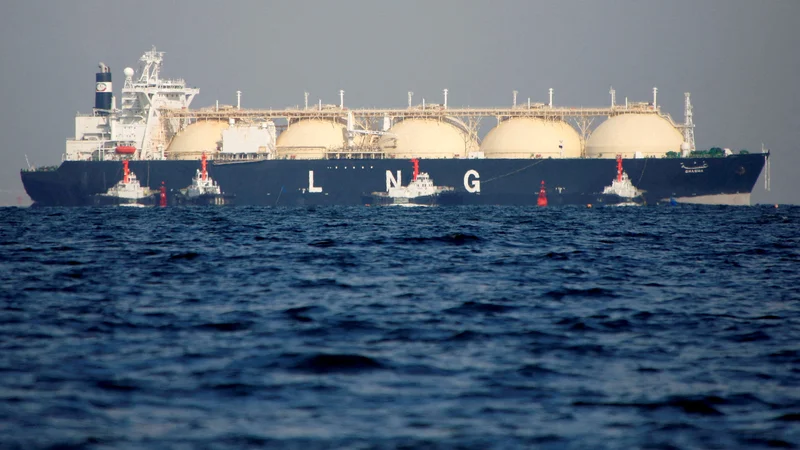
(542, 201)
(588, 205)
(163, 201)
(776, 206)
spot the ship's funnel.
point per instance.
(102, 91)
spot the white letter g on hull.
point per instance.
(472, 185)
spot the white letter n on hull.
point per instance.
(391, 181)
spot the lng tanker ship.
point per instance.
(327, 154)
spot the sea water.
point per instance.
(361, 328)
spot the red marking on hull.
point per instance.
(126, 173)
(415, 161)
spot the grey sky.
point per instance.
(739, 58)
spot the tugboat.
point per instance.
(203, 190)
(127, 192)
(420, 192)
(622, 192)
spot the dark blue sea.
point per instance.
(389, 328)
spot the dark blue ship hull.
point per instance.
(715, 180)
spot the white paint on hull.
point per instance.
(720, 199)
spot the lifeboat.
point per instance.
(126, 149)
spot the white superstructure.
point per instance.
(128, 188)
(257, 138)
(202, 184)
(137, 123)
(621, 185)
(421, 186)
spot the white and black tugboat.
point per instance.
(621, 192)
(128, 192)
(420, 192)
(203, 190)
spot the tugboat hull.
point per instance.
(444, 198)
(204, 200)
(110, 200)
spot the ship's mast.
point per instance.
(151, 66)
(148, 97)
(688, 123)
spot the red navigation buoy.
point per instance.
(619, 167)
(163, 201)
(203, 165)
(542, 201)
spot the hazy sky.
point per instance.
(740, 59)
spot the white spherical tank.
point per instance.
(632, 135)
(427, 138)
(527, 137)
(196, 139)
(311, 139)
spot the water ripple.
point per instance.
(467, 327)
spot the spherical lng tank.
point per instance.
(527, 137)
(311, 139)
(194, 140)
(427, 138)
(632, 135)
